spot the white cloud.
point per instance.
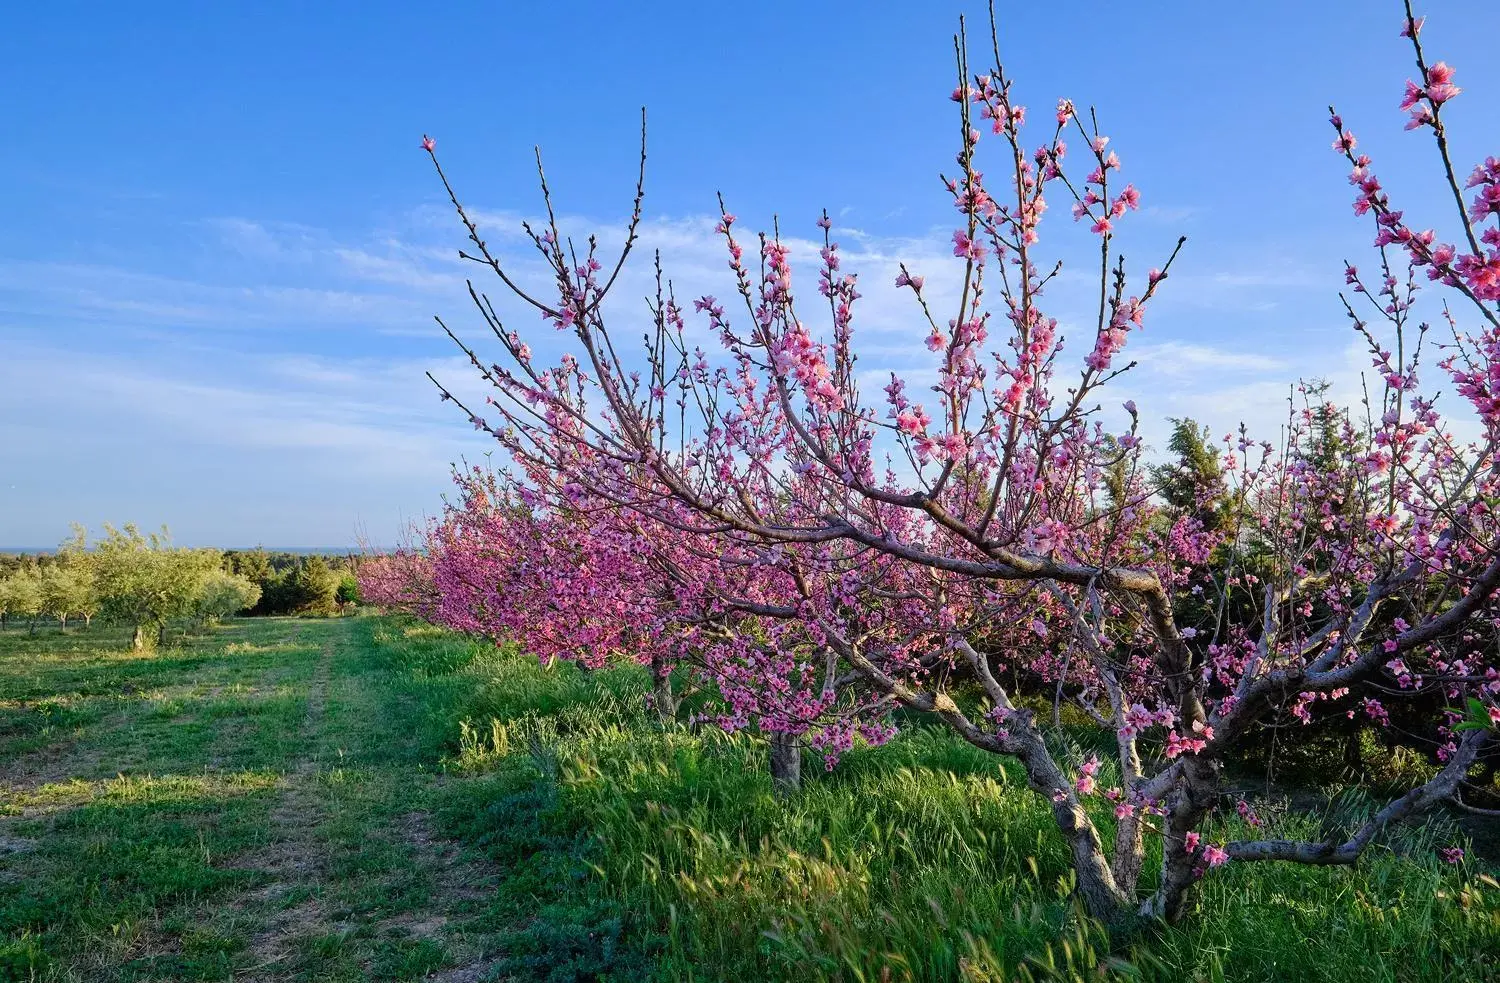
(296, 376)
(225, 446)
(1178, 358)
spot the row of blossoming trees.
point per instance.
(817, 558)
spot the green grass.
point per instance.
(662, 854)
(249, 802)
(372, 798)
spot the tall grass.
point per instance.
(637, 851)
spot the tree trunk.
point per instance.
(161, 635)
(138, 639)
(1101, 896)
(1190, 802)
(663, 700)
(786, 764)
(88, 622)
(1129, 853)
(63, 620)
(32, 630)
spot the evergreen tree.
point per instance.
(348, 591)
(254, 565)
(313, 586)
(1193, 483)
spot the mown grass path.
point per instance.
(251, 805)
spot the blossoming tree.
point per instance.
(400, 580)
(570, 576)
(1003, 520)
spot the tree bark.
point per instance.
(161, 635)
(1196, 791)
(786, 764)
(663, 700)
(1130, 848)
(1130, 853)
(138, 639)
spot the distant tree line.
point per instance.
(292, 583)
(142, 580)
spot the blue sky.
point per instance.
(221, 248)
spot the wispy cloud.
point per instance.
(1178, 358)
(304, 359)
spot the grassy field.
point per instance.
(365, 798)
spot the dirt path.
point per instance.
(307, 902)
(295, 860)
(262, 814)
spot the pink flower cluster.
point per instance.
(749, 522)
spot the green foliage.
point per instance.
(21, 593)
(567, 835)
(225, 594)
(68, 588)
(348, 591)
(254, 565)
(313, 587)
(288, 586)
(1193, 483)
(144, 581)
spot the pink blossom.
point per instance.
(753, 521)
(1414, 94)
(913, 421)
(967, 248)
